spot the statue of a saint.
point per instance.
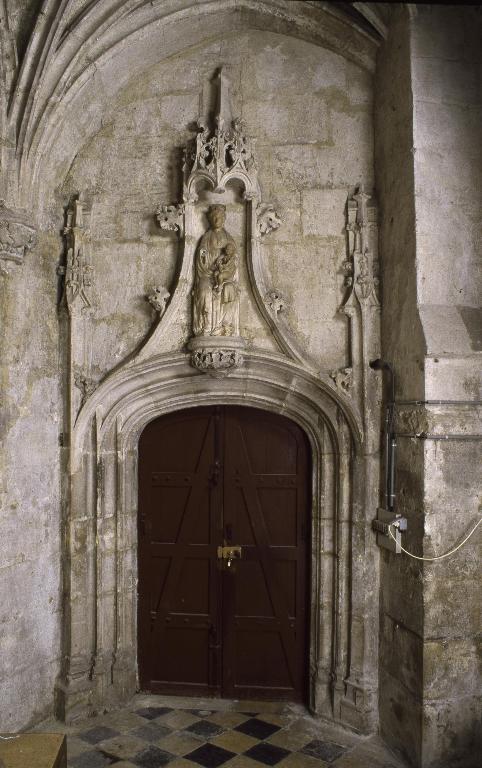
(216, 291)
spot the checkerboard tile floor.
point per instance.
(183, 733)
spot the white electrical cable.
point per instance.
(438, 557)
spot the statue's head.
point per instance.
(217, 216)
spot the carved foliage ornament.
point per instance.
(267, 219)
(171, 218)
(17, 234)
(217, 362)
(158, 299)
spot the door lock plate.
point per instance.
(229, 553)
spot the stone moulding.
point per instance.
(101, 635)
(17, 235)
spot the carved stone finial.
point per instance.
(343, 379)
(158, 298)
(360, 267)
(275, 302)
(171, 217)
(267, 219)
(78, 270)
(17, 234)
(222, 153)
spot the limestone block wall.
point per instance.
(428, 175)
(447, 119)
(30, 510)
(310, 111)
(401, 599)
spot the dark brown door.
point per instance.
(211, 479)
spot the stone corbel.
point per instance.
(17, 235)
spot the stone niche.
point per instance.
(224, 330)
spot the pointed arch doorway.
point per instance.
(214, 619)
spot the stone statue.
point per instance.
(216, 290)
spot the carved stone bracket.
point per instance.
(171, 218)
(17, 235)
(217, 357)
(158, 298)
(267, 220)
(343, 379)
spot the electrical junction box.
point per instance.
(381, 524)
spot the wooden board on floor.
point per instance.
(25, 750)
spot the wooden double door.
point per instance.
(223, 554)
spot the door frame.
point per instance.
(100, 631)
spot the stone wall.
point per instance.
(310, 112)
(30, 521)
(447, 119)
(401, 604)
(428, 178)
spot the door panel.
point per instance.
(179, 503)
(210, 477)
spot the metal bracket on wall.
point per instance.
(381, 524)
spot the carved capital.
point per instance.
(413, 421)
(267, 220)
(171, 218)
(17, 235)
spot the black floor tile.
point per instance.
(152, 757)
(201, 712)
(210, 756)
(151, 731)
(258, 729)
(250, 714)
(205, 729)
(324, 750)
(150, 713)
(99, 733)
(268, 754)
(92, 759)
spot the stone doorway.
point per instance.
(223, 554)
